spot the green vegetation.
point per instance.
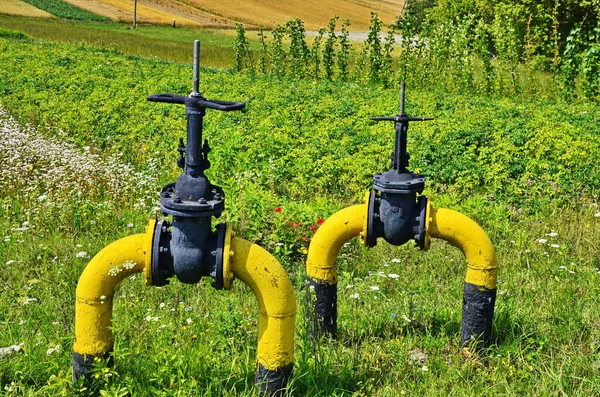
(13, 34)
(549, 50)
(147, 41)
(90, 170)
(64, 10)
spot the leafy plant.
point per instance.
(242, 58)
(262, 55)
(329, 50)
(342, 58)
(298, 52)
(277, 52)
(373, 45)
(315, 54)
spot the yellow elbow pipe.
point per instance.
(321, 268)
(329, 239)
(276, 299)
(463, 233)
(479, 296)
(94, 295)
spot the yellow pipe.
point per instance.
(276, 300)
(463, 233)
(329, 239)
(96, 287)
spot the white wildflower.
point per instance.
(405, 318)
(81, 254)
(129, 265)
(130, 225)
(552, 234)
(597, 215)
(374, 288)
(188, 320)
(349, 286)
(162, 304)
(542, 241)
(424, 368)
(355, 296)
(114, 271)
(10, 262)
(554, 245)
(393, 275)
(53, 350)
(395, 260)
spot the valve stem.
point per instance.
(196, 68)
(402, 97)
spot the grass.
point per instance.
(148, 41)
(308, 148)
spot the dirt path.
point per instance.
(355, 35)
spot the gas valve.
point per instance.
(187, 247)
(395, 213)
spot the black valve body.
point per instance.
(395, 212)
(188, 248)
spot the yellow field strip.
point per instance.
(17, 7)
(123, 11)
(314, 13)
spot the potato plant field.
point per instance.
(83, 156)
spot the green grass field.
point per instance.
(147, 41)
(88, 169)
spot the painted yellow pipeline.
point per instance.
(276, 299)
(463, 233)
(321, 268)
(329, 239)
(94, 295)
(482, 268)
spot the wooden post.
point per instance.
(134, 13)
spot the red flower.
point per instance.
(293, 224)
(313, 228)
(278, 209)
(304, 239)
(320, 221)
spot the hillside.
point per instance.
(225, 13)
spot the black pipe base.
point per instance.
(273, 382)
(83, 363)
(478, 311)
(321, 308)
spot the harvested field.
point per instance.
(17, 7)
(314, 13)
(123, 12)
(253, 13)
